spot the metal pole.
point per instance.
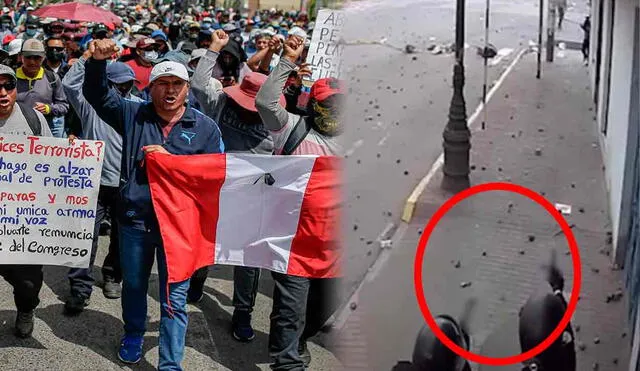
(456, 135)
(551, 30)
(486, 60)
(539, 71)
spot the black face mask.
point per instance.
(55, 56)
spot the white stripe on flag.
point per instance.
(261, 208)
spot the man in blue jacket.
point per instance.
(164, 125)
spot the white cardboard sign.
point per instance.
(325, 51)
(48, 196)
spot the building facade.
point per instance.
(614, 66)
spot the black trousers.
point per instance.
(27, 282)
(80, 279)
(301, 306)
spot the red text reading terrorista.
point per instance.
(81, 151)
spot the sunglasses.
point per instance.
(8, 86)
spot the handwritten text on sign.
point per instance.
(325, 52)
(48, 195)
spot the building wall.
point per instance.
(616, 113)
(280, 4)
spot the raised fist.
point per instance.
(219, 39)
(103, 49)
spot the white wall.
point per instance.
(618, 112)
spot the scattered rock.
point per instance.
(595, 270)
(353, 306)
(538, 152)
(615, 361)
(472, 167)
(596, 340)
(596, 367)
(581, 210)
(615, 297)
(406, 172)
(499, 169)
(369, 242)
(457, 264)
(465, 284)
(581, 346)
(397, 161)
(577, 328)
(484, 253)
(521, 252)
(355, 227)
(532, 238)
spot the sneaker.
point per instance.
(130, 349)
(111, 289)
(24, 324)
(75, 305)
(105, 228)
(241, 326)
(304, 353)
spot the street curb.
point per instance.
(410, 204)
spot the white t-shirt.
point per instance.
(16, 124)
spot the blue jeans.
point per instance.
(137, 250)
(57, 127)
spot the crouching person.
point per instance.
(166, 124)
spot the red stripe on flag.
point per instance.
(186, 191)
(315, 249)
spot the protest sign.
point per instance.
(325, 50)
(48, 195)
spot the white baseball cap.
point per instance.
(15, 46)
(169, 69)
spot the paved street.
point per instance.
(90, 341)
(399, 102)
(491, 239)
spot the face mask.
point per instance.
(325, 120)
(30, 32)
(55, 56)
(150, 55)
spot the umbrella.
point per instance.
(78, 12)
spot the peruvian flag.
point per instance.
(279, 213)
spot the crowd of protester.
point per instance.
(236, 78)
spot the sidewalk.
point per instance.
(90, 341)
(540, 134)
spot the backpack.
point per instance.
(32, 118)
(52, 78)
(296, 136)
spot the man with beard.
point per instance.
(167, 124)
(18, 119)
